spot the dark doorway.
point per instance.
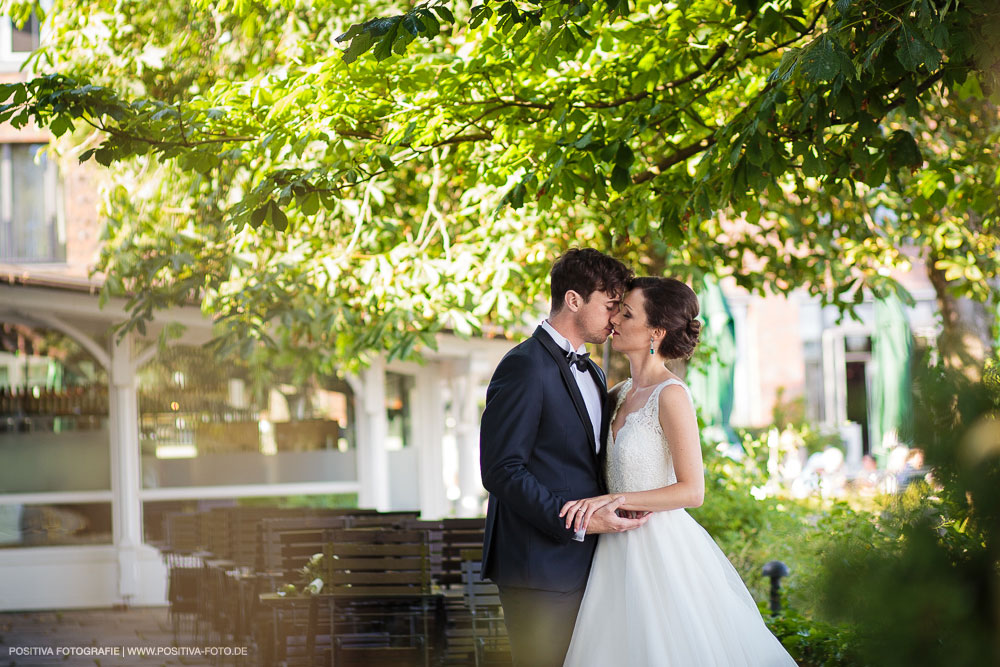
(857, 400)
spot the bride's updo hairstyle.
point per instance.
(672, 306)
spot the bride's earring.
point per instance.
(651, 346)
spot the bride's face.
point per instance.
(631, 330)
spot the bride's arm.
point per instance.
(680, 426)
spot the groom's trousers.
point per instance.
(539, 624)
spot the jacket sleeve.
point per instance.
(514, 403)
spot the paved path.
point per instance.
(78, 637)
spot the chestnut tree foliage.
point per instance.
(340, 178)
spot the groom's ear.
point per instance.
(572, 300)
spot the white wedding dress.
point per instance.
(664, 594)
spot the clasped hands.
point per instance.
(600, 514)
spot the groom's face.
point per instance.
(593, 317)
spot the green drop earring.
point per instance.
(651, 346)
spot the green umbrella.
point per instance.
(892, 344)
(711, 379)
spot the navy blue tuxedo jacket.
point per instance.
(537, 451)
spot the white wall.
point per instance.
(75, 577)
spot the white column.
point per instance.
(467, 438)
(372, 426)
(126, 507)
(834, 378)
(742, 389)
(428, 426)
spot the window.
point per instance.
(398, 401)
(31, 229)
(24, 39)
(17, 43)
(54, 524)
(208, 422)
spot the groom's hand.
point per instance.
(607, 520)
(598, 515)
(578, 512)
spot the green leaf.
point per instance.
(309, 204)
(768, 24)
(276, 217)
(903, 151)
(624, 157)
(352, 32)
(812, 164)
(431, 25)
(517, 196)
(797, 25)
(620, 179)
(610, 151)
(359, 45)
(789, 63)
(875, 172)
(913, 50)
(821, 62)
(873, 51)
(479, 14)
(384, 47)
(8, 89)
(444, 13)
(259, 214)
(60, 125)
(413, 25)
(585, 141)
(104, 155)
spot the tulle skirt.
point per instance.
(664, 595)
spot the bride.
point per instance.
(662, 595)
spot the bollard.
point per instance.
(775, 570)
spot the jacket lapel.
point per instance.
(571, 386)
(602, 387)
(602, 454)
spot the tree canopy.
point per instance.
(339, 178)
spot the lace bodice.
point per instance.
(639, 459)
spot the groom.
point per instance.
(541, 444)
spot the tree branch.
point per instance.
(678, 156)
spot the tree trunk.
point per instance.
(965, 341)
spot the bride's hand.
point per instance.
(580, 511)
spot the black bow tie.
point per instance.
(578, 360)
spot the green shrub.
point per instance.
(923, 588)
(753, 531)
(813, 643)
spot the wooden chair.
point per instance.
(231, 576)
(383, 519)
(492, 647)
(182, 595)
(456, 535)
(181, 554)
(379, 589)
(297, 632)
(285, 545)
(345, 655)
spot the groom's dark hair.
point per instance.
(585, 271)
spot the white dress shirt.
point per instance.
(588, 388)
(584, 380)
